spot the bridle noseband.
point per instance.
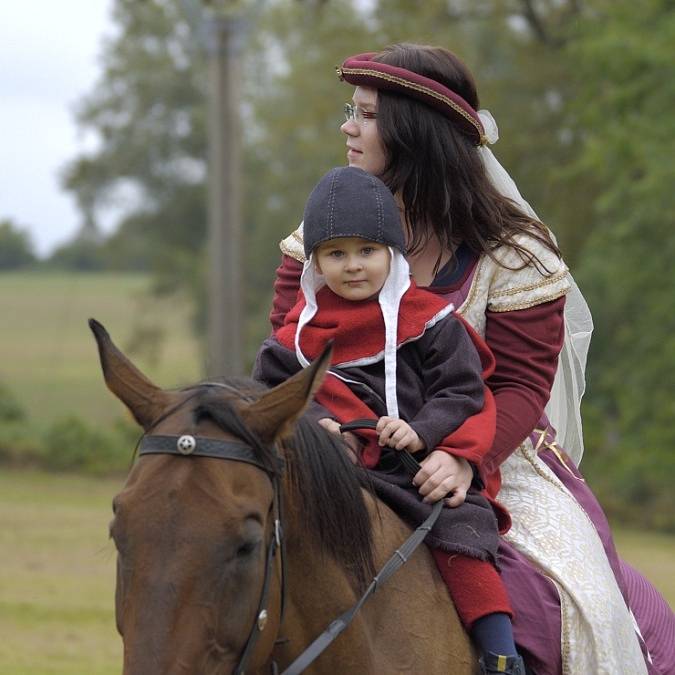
(187, 446)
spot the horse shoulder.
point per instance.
(413, 623)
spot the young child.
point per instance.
(401, 356)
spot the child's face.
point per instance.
(354, 268)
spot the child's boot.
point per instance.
(494, 663)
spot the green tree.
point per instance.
(516, 50)
(16, 249)
(148, 111)
(626, 266)
(292, 136)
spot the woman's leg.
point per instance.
(654, 617)
(536, 612)
(653, 614)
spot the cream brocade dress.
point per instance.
(549, 526)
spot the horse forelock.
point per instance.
(324, 487)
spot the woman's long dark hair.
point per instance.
(432, 162)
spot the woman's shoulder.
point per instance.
(523, 273)
(293, 245)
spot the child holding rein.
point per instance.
(401, 356)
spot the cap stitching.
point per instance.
(331, 204)
(380, 213)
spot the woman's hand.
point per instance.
(398, 434)
(441, 474)
(351, 440)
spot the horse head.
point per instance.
(194, 533)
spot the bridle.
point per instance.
(200, 446)
(187, 445)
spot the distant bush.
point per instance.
(72, 444)
(80, 255)
(16, 248)
(19, 444)
(10, 409)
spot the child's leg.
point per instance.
(484, 608)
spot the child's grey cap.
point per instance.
(349, 202)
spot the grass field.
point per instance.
(57, 580)
(49, 358)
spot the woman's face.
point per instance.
(364, 147)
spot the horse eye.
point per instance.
(116, 533)
(247, 548)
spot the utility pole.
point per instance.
(224, 355)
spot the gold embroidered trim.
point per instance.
(538, 470)
(554, 448)
(416, 87)
(547, 281)
(474, 286)
(565, 641)
(293, 245)
(291, 251)
(531, 303)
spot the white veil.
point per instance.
(563, 408)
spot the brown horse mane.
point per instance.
(324, 486)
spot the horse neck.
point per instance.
(314, 577)
(318, 590)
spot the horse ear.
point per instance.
(144, 399)
(273, 414)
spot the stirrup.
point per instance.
(492, 664)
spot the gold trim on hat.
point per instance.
(341, 70)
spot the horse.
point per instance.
(198, 570)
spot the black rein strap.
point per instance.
(396, 561)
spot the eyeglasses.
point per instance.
(359, 115)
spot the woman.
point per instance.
(474, 240)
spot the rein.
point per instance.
(199, 446)
(396, 561)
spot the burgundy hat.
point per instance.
(362, 70)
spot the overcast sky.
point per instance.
(49, 58)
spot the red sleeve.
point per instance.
(525, 344)
(286, 287)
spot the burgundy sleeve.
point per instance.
(286, 286)
(525, 344)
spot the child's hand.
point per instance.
(398, 434)
(351, 440)
(441, 474)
